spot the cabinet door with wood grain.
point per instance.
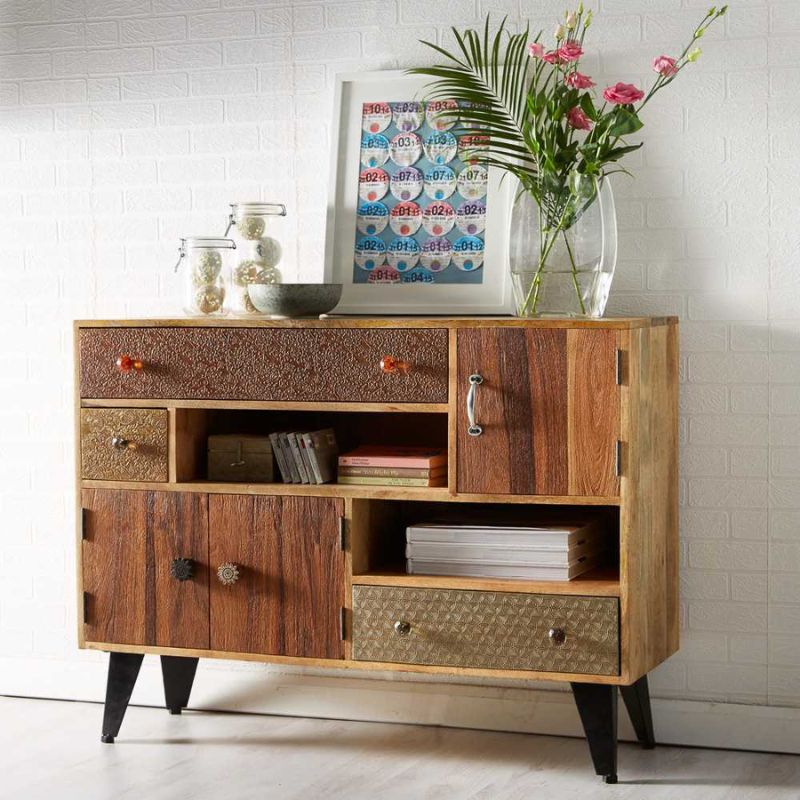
(279, 589)
(546, 411)
(145, 567)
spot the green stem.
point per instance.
(574, 274)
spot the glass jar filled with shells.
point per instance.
(256, 230)
(206, 267)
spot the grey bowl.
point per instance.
(282, 300)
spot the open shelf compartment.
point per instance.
(193, 426)
(378, 538)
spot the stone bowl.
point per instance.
(288, 300)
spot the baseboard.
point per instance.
(256, 689)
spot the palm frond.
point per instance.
(492, 96)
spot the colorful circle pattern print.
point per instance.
(421, 201)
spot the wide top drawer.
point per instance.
(301, 365)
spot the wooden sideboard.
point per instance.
(568, 414)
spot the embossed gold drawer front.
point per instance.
(486, 630)
(399, 365)
(124, 444)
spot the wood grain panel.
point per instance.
(288, 598)
(131, 539)
(649, 510)
(522, 407)
(115, 566)
(616, 323)
(267, 363)
(593, 412)
(178, 528)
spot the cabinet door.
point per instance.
(131, 539)
(548, 407)
(288, 596)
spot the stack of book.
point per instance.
(549, 552)
(372, 465)
(305, 457)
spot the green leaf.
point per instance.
(618, 152)
(587, 106)
(625, 122)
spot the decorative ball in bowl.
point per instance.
(287, 300)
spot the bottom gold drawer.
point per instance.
(486, 630)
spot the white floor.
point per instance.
(52, 750)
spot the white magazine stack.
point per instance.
(557, 552)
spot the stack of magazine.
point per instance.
(308, 457)
(557, 552)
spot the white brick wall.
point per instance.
(127, 123)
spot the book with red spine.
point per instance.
(398, 457)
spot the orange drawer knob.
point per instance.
(129, 364)
(394, 366)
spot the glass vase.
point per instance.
(563, 249)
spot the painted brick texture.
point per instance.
(125, 124)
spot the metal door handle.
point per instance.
(474, 381)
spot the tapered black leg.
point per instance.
(123, 669)
(637, 701)
(597, 706)
(178, 675)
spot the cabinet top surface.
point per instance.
(377, 322)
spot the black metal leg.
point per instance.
(637, 701)
(597, 706)
(123, 669)
(178, 673)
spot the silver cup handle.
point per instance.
(473, 429)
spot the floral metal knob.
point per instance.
(228, 573)
(127, 363)
(394, 366)
(402, 628)
(557, 635)
(182, 569)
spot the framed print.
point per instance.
(413, 226)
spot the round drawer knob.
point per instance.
(228, 573)
(127, 363)
(402, 628)
(557, 635)
(121, 443)
(182, 569)
(394, 366)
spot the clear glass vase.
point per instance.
(563, 253)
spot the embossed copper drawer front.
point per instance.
(292, 364)
(124, 444)
(486, 630)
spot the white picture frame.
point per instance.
(490, 297)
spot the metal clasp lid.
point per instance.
(181, 254)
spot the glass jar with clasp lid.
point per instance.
(256, 228)
(206, 263)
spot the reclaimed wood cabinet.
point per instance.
(540, 418)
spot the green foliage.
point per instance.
(526, 105)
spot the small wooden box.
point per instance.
(241, 458)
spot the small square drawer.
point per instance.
(124, 444)
(486, 630)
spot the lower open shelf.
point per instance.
(600, 582)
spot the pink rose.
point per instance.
(535, 50)
(578, 81)
(571, 51)
(664, 65)
(551, 57)
(577, 119)
(623, 94)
